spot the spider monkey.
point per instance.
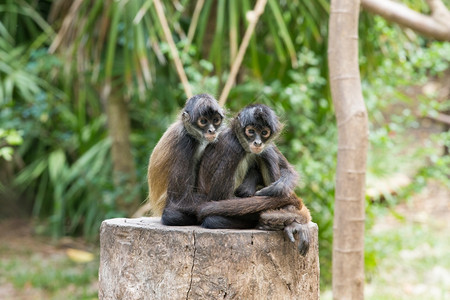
(244, 159)
(173, 164)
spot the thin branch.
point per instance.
(194, 22)
(253, 17)
(439, 12)
(440, 117)
(67, 24)
(437, 7)
(436, 26)
(173, 48)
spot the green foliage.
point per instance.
(404, 66)
(66, 165)
(21, 21)
(394, 64)
(438, 165)
(283, 28)
(9, 138)
(64, 149)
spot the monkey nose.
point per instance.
(211, 130)
(257, 143)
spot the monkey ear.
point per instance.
(242, 120)
(185, 116)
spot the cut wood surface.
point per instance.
(143, 259)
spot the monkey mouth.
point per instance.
(210, 137)
(256, 150)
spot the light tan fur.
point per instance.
(241, 170)
(160, 162)
(265, 175)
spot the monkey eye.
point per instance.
(249, 131)
(217, 121)
(202, 121)
(265, 133)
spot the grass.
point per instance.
(413, 263)
(45, 273)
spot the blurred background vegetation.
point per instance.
(65, 65)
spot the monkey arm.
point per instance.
(252, 180)
(244, 206)
(283, 177)
(281, 187)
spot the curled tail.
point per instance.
(244, 206)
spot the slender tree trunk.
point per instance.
(123, 163)
(351, 115)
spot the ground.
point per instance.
(34, 267)
(413, 248)
(409, 246)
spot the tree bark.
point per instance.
(123, 162)
(436, 25)
(143, 259)
(351, 115)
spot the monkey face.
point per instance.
(209, 126)
(256, 126)
(257, 137)
(202, 118)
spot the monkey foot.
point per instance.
(303, 235)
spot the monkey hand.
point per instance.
(303, 235)
(276, 189)
(243, 192)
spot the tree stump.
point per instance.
(143, 259)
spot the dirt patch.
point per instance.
(433, 202)
(431, 205)
(17, 235)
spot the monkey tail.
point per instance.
(244, 206)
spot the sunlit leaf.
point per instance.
(6, 153)
(79, 256)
